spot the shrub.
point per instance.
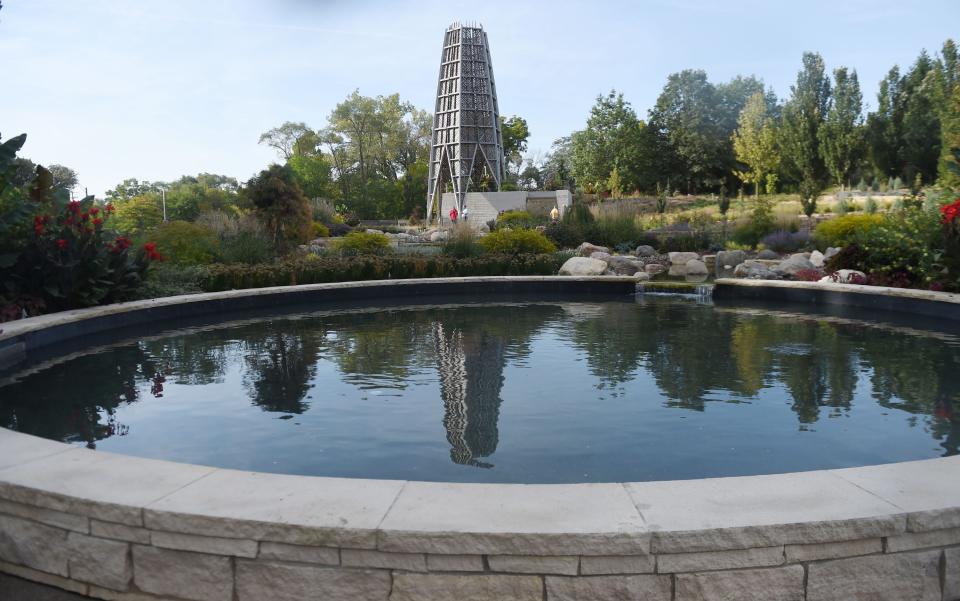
(516, 219)
(462, 243)
(246, 247)
(362, 243)
(612, 231)
(905, 247)
(517, 242)
(186, 243)
(786, 242)
(314, 270)
(323, 211)
(171, 280)
(870, 205)
(841, 231)
(319, 230)
(564, 234)
(578, 214)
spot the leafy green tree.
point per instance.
(291, 139)
(950, 162)
(841, 134)
(314, 175)
(138, 214)
(755, 142)
(606, 141)
(920, 146)
(281, 206)
(884, 126)
(803, 116)
(64, 178)
(514, 132)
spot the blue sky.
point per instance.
(155, 89)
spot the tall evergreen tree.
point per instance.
(803, 116)
(841, 135)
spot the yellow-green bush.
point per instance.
(515, 219)
(515, 242)
(186, 243)
(319, 230)
(362, 243)
(841, 231)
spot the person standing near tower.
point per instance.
(465, 214)
(453, 215)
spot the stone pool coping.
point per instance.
(120, 527)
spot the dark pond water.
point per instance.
(641, 389)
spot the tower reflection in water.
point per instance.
(470, 364)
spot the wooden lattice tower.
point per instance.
(467, 146)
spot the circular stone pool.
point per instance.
(506, 389)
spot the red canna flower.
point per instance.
(94, 210)
(98, 221)
(109, 208)
(74, 206)
(61, 243)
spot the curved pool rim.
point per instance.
(114, 526)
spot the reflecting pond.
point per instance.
(652, 388)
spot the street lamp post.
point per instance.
(163, 200)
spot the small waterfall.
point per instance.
(702, 293)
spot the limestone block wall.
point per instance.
(117, 527)
(124, 528)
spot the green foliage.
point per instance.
(516, 219)
(755, 141)
(281, 206)
(760, 224)
(612, 231)
(841, 133)
(517, 242)
(246, 246)
(578, 214)
(802, 118)
(186, 243)
(362, 243)
(138, 214)
(314, 270)
(564, 234)
(319, 230)
(612, 130)
(870, 205)
(841, 231)
(723, 203)
(171, 280)
(901, 248)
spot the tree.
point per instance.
(883, 126)
(281, 206)
(841, 134)
(755, 142)
(64, 178)
(290, 139)
(802, 117)
(314, 175)
(138, 214)
(950, 162)
(694, 121)
(920, 142)
(514, 133)
(24, 170)
(611, 130)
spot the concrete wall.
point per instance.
(485, 206)
(124, 528)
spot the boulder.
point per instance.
(767, 254)
(586, 249)
(641, 276)
(621, 265)
(830, 252)
(845, 276)
(794, 264)
(372, 231)
(754, 270)
(681, 258)
(583, 266)
(646, 251)
(696, 267)
(730, 258)
(817, 258)
(654, 268)
(603, 256)
(439, 236)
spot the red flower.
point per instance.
(150, 248)
(40, 223)
(74, 206)
(119, 245)
(98, 221)
(109, 208)
(950, 211)
(61, 243)
(94, 210)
